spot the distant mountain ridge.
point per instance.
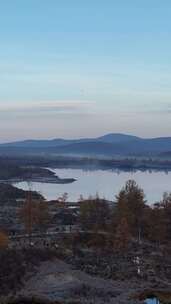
(110, 138)
(108, 145)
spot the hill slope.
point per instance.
(108, 145)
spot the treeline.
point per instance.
(125, 164)
(129, 217)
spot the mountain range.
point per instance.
(109, 145)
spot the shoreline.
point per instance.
(52, 180)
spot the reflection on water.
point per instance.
(105, 183)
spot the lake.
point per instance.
(105, 183)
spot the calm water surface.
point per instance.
(105, 183)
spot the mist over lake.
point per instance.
(106, 183)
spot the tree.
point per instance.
(162, 212)
(130, 204)
(98, 241)
(122, 236)
(94, 214)
(63, 198)
(41, 215)
(3, 240)
(34, 214)
(156, 225)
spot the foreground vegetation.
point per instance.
(123, 241)
(129, 217)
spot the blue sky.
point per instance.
(72, 68)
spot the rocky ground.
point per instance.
(66, 275)
(56, 281)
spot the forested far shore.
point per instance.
(124, 164)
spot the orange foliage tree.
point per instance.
(122, 236)
(35, 215)
(3, 240)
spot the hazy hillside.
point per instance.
(109, 138)
(108, 145)
(118, 138)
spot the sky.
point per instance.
(74, 68)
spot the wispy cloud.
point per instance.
(69, 106)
